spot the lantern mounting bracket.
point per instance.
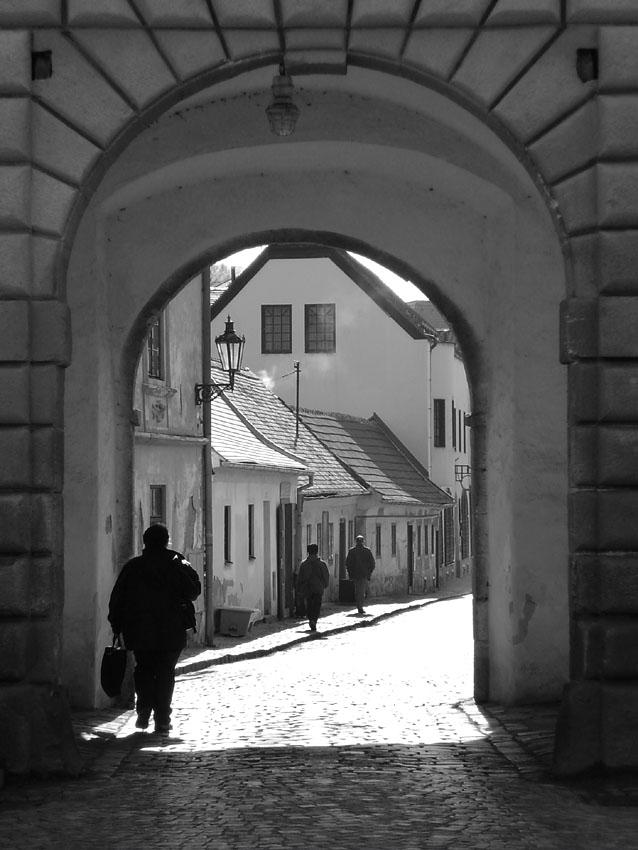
(207, 392)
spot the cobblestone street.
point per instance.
(365, 737)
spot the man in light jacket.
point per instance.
(359, 564)
(312, 580)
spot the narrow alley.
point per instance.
(365, 737)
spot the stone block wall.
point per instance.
(34, 350)
(600, 708)
(515, 63)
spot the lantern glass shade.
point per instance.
(230, 346)
(282, 112)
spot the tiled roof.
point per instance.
(235, 443)
(428, 312)
(272, 421)
(432, 316)
(368, 450)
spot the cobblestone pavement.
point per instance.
(365, 737)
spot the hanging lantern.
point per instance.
(282, 112)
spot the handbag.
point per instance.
(113, 667)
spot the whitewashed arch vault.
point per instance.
(464, 148)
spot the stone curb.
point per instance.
(195, 665)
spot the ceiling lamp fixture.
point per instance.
(282, 112)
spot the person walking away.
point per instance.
(312, 580)
(360, 565)
(299, 600)
(151, 606)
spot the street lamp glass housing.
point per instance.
(230, 346)
(282, 112)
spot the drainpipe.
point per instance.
(298, 529)
(433, 345)
(207, 465)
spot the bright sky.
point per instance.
(403, 288)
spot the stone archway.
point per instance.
(467, 221)
(117, 69)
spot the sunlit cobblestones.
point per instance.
(367, 738)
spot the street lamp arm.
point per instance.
(208, 392)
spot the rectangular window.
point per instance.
(155, 348)
(276, 328)
(157, 511)
(227, 535)
(453, 426)
(331, 539)
(418, 539)
(439, 422)
(464, 435)
(377, 538)
(426, 534)
(393, 537)
(320, 327)
(319, 536)
(308, 535)
(350, 534)
(251, 531)
(448, 535)
(460, 431)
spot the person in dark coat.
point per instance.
(360, 565)
(312, 580)
(151, 606)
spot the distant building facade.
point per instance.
(362, 350)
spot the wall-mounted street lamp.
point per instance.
(461, 473)
(282, 112)
(230, 347)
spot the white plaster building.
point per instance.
(254, 487)
(377, 355)
(358, 478)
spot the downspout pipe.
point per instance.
(298, 533)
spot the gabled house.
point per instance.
(359, 478)
(360, 347)
(402, 517)
(325, 483)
